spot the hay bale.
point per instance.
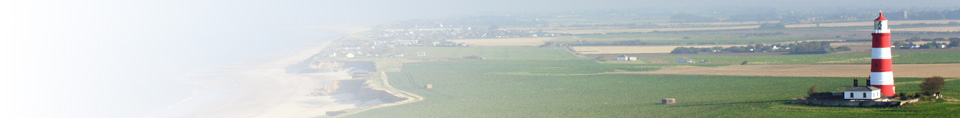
(429, 86)
(669, 101)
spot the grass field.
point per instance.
(932, 29)
(850, 70)
(738, 37)
(856, 58)
(518, 88)
(505, 41)
(630, 30)
(870, 23)
(632, 49)
(494, 53)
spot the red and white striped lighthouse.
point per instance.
(881, 66)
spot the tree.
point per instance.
(813, 89)
(931, 85)
(901, 44)
(954, 42)
(903, 96)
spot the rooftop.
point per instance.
(862, 88)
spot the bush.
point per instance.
(931, 85)
(813, 89)
(903, 96)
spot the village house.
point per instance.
(349, 55)
(626, 58)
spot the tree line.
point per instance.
(815, 47)
(935, 43)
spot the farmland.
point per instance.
(495, 53)
(860, 70)
(669, 27)
(572, 89)
(504, 41)
(631, 49)
(705, 37)
(870, 23)
(932, 29)
(574, 74)
(854, 58)
(631, 30)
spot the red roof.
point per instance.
(881, 17)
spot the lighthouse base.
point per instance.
(887, 90)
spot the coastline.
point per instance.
(264, 89)
(411, 98)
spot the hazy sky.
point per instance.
(118, 55)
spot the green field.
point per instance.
(857, 58)
(551, 82)
(530, 88)
(493, 53)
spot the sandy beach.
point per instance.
(265, 90)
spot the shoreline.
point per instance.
(411, 98)
(263, 88)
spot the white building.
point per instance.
(626, 58)
(421, 53)
(862, 93)
(349, 55)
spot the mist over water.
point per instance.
(116, 58)
(140, 58)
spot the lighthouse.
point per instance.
(881, 64)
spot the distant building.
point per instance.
(626, 58)
(408, 42)
(421, 53)
(914, 46)
(351, 48)
(350, 55)
(684, 60)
